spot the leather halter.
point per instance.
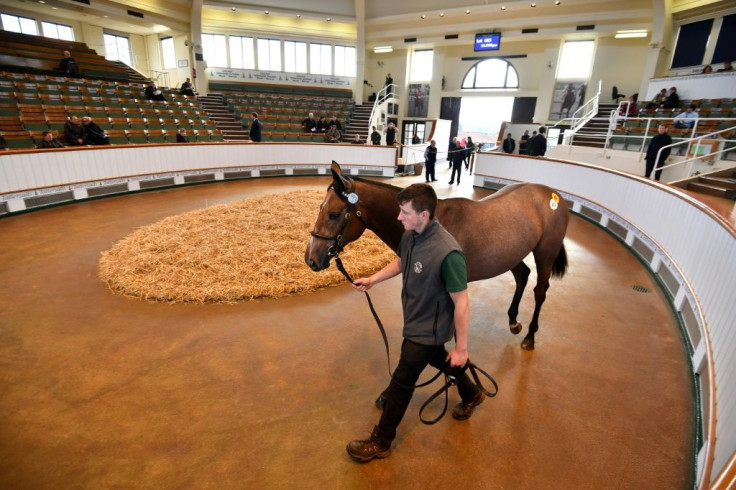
(337, 241)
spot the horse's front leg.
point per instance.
(521, 276)
(540, 294)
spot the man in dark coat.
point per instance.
(509, 145)
(456, 153)
(375, 137)
(538, 143)
(661, 140)
(524, 143)
(255, 128)
(93, 134)
(69, 65)
(74, 132)
(153, 93)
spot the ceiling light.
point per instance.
(442, 14)
(534, 5)
(266, 12)
(383, 49)
(329, 19)
(298, 16)
(630, 34)
(557, 2)
(41, 1)
(467, 11)
(503, 7)
(232, 8)
(424, 16)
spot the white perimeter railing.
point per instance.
(37, 178)
(387, 95)
(671, 233)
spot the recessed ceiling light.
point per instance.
(442, 14)
(232, 8)
(467, 11)
(54, 8)
(557, 2)
(266, 12)
(298, 16)
(105, 16)
(534, 5)
(329, 19)
(41, 1)
(424, 16)
(503, 7)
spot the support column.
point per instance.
(195, 22)
(661, 45)
(359, 51)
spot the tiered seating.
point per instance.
(30, 105)
(282, 114)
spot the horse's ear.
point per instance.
(339, 180)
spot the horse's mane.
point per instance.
(379, 184)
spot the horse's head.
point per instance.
(338, 223)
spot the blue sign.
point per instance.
(488, 42)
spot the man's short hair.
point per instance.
(421, 196)
(542, 130)
(45, 132)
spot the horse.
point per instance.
(495, 233)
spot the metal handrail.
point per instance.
(587, 113)
(699, 140)
(382, 97)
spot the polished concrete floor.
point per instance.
(100, 391)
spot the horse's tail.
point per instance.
(560, 266)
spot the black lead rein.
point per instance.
(449, 380)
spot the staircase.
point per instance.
(594, 132)
(133, 76)
(720, 184)
(358, 123)
(232, 130)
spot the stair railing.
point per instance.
(386, 95)
(696, 143)
(580, 117)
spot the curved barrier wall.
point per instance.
(37, 178)
(688, 247)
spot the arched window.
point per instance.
(493, 73)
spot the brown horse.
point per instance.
(496, 233)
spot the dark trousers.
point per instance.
(429, 167)
(650, 167)
(457, 166)
(414, 358)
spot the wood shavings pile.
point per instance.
(244, 250)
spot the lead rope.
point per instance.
(449, 380)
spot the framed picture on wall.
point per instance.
(568, 97)
(182, 63)
(396, 110)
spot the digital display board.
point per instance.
(488, 42)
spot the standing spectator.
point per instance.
(93, 134)
(389, 82)
(375, 137)
(69, 65)
(456, 154)
(685, 120)
(309, 125)
(430, 158)
(434, 299)
(181, 136)
(73, 132)
(415, 139)
(187, 88)
(153, 93)
(673, 100)
(509, 145)
(391, 134)
(524, 143)
(49, 141)
(255, 128)
(661, 140)
(538, 143)
(469, 153)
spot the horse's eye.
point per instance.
(334, 216)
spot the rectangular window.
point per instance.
(23, 25)
(167, 50)
(295, 57)
(320, 59)
(726, 44)
(576, 60)
(421, 66)
(691, 43)
(117, 48)
(214, 50)
(242, 54)
(269, 54)
(345, 61)
(57, 31)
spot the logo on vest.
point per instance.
(418, 267)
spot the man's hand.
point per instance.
(457, 357)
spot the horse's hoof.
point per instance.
(527, 344)
(516, 328)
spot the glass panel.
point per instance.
(576, 59)
(320, 59)
(512, 78)
(49, 30)
(469, 81)
(124, 50)
(295, 57)
(236, 52)
(214, 49)
(10, 23)
(66, 33)
(169, 55)
(421, 66)
(28, 26)
(491, 74)
(269, 54)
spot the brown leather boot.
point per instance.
(464, 410)
(369, 449)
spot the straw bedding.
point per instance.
(244, 250)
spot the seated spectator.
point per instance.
(181, 136)
(49, 141)
(321, 125)
(658, 100)
(187, 88)
(708, 69)
(69, 65)
(357, 140)
(309, 125)
(333, 135)
(93, 134)
(686, 119)
(74, 132)
(153, 93)
(673, 100)
(628, 108)
(334, 122)
(726, 67)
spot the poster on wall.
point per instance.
(418, 98)
(568, 97)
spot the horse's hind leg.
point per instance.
(544, 271)
(521, 276)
